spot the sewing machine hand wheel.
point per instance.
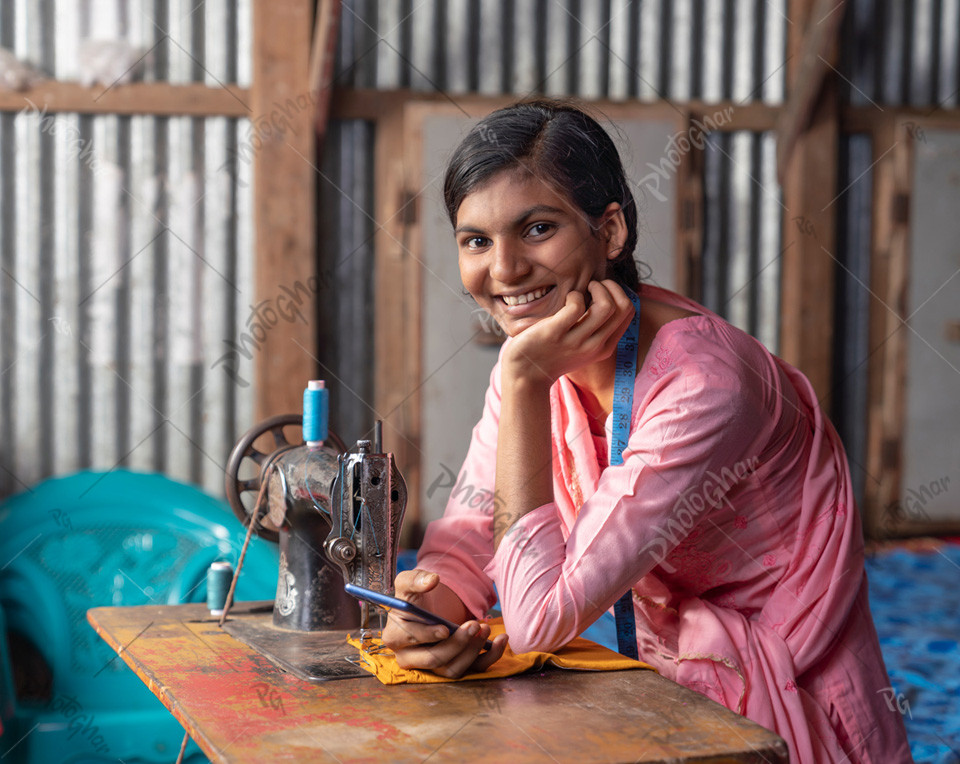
(242, 488)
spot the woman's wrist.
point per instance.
(521, 376)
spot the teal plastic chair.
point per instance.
(101, 539)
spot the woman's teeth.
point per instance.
(522, 299)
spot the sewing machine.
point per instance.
(336, 516)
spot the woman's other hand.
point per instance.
(428, 646)
(575, 336)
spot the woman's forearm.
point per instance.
(524, 462)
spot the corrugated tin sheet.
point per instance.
(851, 350)
(175, 41)
(902, 53)
(345, 294)
(712, 50)
(126, 248)
(743, 215)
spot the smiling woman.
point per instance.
(634, 442)
(524, 247)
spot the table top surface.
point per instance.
(239, 707)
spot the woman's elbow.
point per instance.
(534, 635)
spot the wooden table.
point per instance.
(239, 707)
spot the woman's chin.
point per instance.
(515, 327)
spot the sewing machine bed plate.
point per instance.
(317, 656)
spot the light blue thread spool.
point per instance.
(219, 576)
(316, 411)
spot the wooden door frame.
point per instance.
(894, 140)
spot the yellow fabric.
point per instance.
(578, 654)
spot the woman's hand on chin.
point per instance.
(573, 337)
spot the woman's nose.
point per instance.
(509, 262)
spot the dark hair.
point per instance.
(559, 143)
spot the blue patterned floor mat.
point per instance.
(915, 601)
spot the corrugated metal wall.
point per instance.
(175, 41)
(126, 252)
(902, 53)
(684, 49)
(852, 299)
(126, 247)
(346, 308)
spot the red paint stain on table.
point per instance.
(355, 717)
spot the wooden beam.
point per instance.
(867, 119)
(284, 198)
(322, 58)
(689, 219)
(371, 105)
(816, 49)
(155, 98)
(809, 230)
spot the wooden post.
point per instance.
(809, 176)
(284, 197)
(397, 285)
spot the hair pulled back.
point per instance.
(560, 144)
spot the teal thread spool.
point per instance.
(316, 411)
(219, 576)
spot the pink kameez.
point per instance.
(732, 520)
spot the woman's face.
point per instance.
(523, 247)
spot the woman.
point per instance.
(637, 443)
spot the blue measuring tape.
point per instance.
(623, 384)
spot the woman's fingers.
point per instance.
(574, 336)
(471, 636)
(487, 659)
(452, 657)
(409, 583)
(606, 319)
(401, 632)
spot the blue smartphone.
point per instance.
(410, 610)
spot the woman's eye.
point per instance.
(540, 229)
(475, 242)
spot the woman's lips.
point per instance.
(521, 304)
